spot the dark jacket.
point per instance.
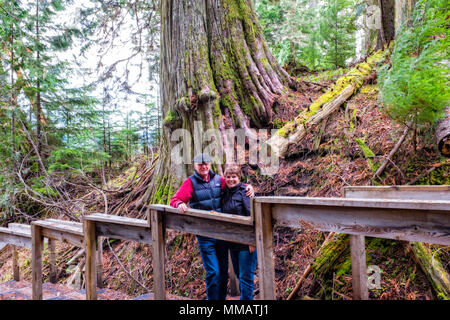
(234, 201)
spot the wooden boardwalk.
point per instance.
(22, 290)
(409, 213)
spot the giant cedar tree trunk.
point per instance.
(215, 68)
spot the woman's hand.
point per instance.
(250, 191)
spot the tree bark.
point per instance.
(387, 32)
(443, 133)
(216, 68)
(403, 11)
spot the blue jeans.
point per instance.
(244, 265)
(214, 255)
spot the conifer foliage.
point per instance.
(415, 86)
(315, 34)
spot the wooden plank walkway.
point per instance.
(22, 290)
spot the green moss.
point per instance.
(171, 116)
(278, 124)
(345, 267)
(378, 244)
(228, 103)
(265, 62)
(282, 133)
(165, 190)
(441, 288)
(369, 89)
(247, 108)
(217, 113)
(338, 245)
(239, 9)
(368, 154)
(439, 176)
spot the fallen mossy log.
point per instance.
(330, 252)
(295, 130)
(433, 269)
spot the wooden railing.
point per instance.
(66, 231)
(357, 242)
(16, 235)
(365, 211)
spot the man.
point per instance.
(202, 191)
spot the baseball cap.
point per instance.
(201, 158)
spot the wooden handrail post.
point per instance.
(264, 247)
(99, 266)
(16, 269)
(359, 267)
(159, 243)
(37, 241)
(91, 257)
(52, 260)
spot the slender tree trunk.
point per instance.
(216, 68)
(294, 59)
(127, 139)
(13, 102)
(109, 144)
(38, 86)
(105, 149)
(336, 63)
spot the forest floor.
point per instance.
(327, 160)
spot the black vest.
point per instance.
(206, 195)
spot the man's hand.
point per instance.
(182, 207)
(250, 191)
(251, 249)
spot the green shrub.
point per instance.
(415, 88)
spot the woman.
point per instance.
(243, 257)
